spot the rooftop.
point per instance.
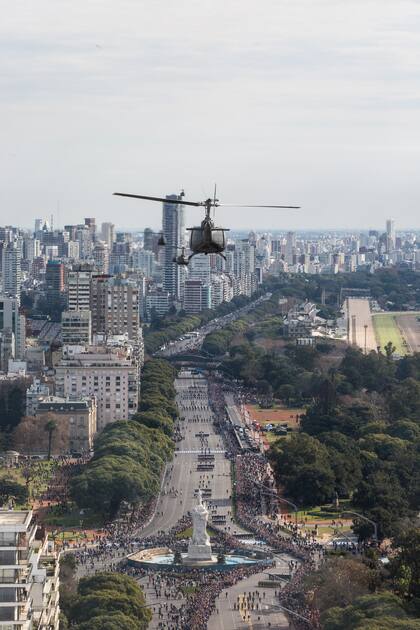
(15, 519)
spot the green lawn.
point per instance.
(386, 330)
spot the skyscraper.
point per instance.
(173, 225)
(390, 234)
(108, 233)
(11, 269)
(290, 247)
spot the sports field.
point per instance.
(386, 329)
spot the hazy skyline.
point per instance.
(312, 102)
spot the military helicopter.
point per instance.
(206, 238)
(182, 259)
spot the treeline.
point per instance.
(106, 601)
(292, 376)
(259, 319)
(361, 440)
(393, 288)
(130, 455)
(170, 327)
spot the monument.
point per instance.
(199, 548)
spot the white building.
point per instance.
(197, 296)
(78, 289)
(199, 268)
(173, 224)
(34, 394)
(12, 278)
(144, 260)
(111, 374)
(29, 569)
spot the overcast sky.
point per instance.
(308, 102)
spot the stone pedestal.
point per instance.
(199, 553)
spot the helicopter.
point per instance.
(206, 238)
(182, 259)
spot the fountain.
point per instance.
(199, 553)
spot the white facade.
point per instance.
(29, 575)
(12, 278)
(109, 374)
(78, 290)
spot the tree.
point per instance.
(383, 611)
(302, 466)
(110, 601)
(389, 350)
(407, 563)
(286, 392)
(339, 582)
(50, 426)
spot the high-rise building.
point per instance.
(29, 567)
(108, 234)
(390, 233)
(173, 224)
(54, 280)
(144, 260)
(91, 224)
(157, 302)
(11, 269)
(78, 288)
(199, 268)
(101, 256)
(11, 320)
(115, 307)
(197, 296)
(76, 328)
(148, 239)
(111, 374)
(290, 247)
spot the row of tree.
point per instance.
(170, 327)
(130, 455)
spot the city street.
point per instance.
(182, 478)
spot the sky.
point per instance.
(303, 102)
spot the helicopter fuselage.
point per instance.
(207, 239)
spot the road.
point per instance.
(182, 479)
(359, 315)
(409, 325)
(195, 338)
(227, 615)
(179, 487)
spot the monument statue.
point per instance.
(199, 547)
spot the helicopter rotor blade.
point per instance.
(240, 205)
(162, 199)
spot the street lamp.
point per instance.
(368, 520)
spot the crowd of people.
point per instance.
(186, 599)
(250, 469)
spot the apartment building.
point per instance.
(29, 575)
(111, 374)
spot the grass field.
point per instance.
(276, 415)
(386, 330)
